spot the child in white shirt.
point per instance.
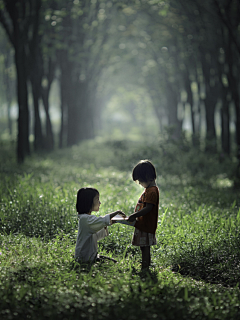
(91, 228)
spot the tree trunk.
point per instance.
(195, 139)
(174, 123)
(63, 84)
(23, 147)
(38, 135)
(237, 111)
(62, 131)
(80, 117)
(9, 118)
(9, 93)
(211, 143)
(74, 125)
(86, 116)
(225, 123)
(210, 105)
(233, 86)
(45, 91)
(199, 108)
(236, 99)
(49, 141)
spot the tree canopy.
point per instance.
(183, 57)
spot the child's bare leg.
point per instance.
(146, 257)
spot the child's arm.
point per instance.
(95, 224)
(102, 233)
(141, 212)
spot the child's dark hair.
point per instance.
(144, 171)
(85, 198)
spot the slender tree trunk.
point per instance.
(64, 91)
(211, 144)
(38, 134)
(210, 106)
(236, 99)
(233, 86)
(9, 93)
(9, 119)
(195, 140)
(225, 134)
(64, 79)
(45, 92)
(74, 124)
(225, 116)
(199, 108)
(9, 108)
(237, 111)
(173, 120)
(49, 143)
(23, 147)
(63, 111)
(225, 122)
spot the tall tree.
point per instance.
(20, 21)
(81, 57)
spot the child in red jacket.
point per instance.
(146, 211)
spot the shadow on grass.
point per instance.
(24, 274)
(144, 297)
(86, 267)
(218, 264)
(146, 275)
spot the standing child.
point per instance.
(91, 228)
(146, 211)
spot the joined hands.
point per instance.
(121, 213)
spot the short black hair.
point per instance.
(144, 171)
(85, 198)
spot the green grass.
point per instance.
(195, 265)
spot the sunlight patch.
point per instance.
(221, 182)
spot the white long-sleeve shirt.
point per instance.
(90, 230)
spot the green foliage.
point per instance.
(176, 161)
(195, 265)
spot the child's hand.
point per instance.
(121, 213)
(131, 218)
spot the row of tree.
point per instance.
(193, 59)
(51, 35)
(185, 52)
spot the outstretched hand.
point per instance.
(121, 213)
(131, 218)
(115, 213)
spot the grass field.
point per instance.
(195, 267)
